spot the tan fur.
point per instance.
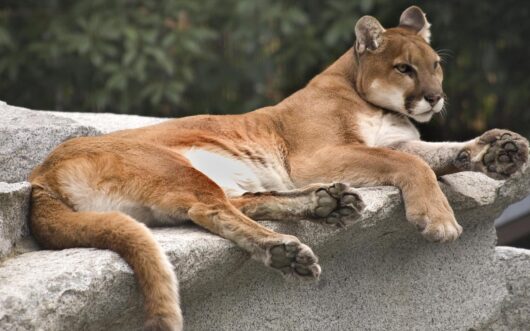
(87, 187)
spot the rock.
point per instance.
(383, 276)
(514, 312)
(89, 289)
(14, 208)
(43, 291)
(470, 191)
(106, 122)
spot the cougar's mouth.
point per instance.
(423, 112)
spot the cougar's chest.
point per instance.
(380, 129)
(249, 171)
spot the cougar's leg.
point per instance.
(442, 157)
(335, 204)
(497, 153)
(282, 252)
(425, 204)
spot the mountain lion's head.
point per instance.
(398, 69)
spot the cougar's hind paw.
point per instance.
(338, 204)
(294, 259)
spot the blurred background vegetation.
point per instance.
(181, 57)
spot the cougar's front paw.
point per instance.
(497, 153)
(338, 204)
(293, 258)
(435, 220)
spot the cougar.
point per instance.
(300, 159)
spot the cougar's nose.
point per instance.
(432, 99)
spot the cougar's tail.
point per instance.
(55, 225)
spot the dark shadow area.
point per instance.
(515, 233)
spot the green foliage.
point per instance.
(181, 57)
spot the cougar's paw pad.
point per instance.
(507, 153)
(326, 203)
(294, 259)
(338, 204)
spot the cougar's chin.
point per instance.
(423, 117)
(422, 111)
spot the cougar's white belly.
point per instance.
(239, 175)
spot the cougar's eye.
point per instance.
(436, 64)
(404, 68)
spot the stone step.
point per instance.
(14, 208)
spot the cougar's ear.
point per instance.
(369, 34)
(414, 18)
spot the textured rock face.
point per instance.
(14, 207)
(67, 290)
(514, 312)
(89, 289)
(105, 122)
(378, 274)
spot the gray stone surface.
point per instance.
(88, 289)
(106, 122)
(514, 312)
(378, 274)
(14, 207)
(27, 136)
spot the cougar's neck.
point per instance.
(345, 67)
(338, 80)
(339, 77)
